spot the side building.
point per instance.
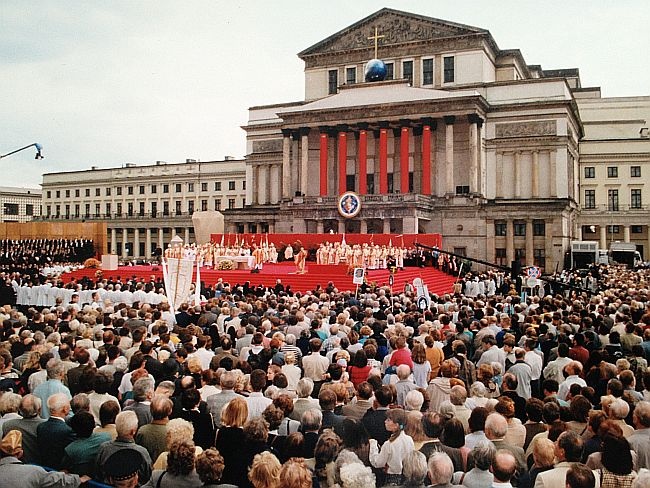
(144, 206)
(19, 204)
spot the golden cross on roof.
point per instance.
(376, 38)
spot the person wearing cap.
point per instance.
(13, 472)
(122, 469)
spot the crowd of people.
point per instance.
(37, 254)
(263, 387)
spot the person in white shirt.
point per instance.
(491, 353)
(535, 361)
(395, 449)
(574, 368)
(256, 401)
(554, 370)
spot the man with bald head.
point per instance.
(29, 410)
(53, 436)
(503, 469)
(496, 428)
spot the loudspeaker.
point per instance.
(515, 268)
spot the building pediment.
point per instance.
(396, 26)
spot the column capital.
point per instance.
(287, 132)
(363, 125)
(304, 131)
(449, 119)
(475, 119)
(324, 129)
(432, 123)
(342, 128)
(405, 122)
(295, 134)
(384, 124)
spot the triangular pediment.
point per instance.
(396, 26)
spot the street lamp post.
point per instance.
(38, 147)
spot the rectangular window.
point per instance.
(407, 70)
(635, 171)
(141, 189)
(588, 229)
(190, 207)
(462, 190)
(217, 186)
(217, 204)
(118, 190)
(411, 182)
(108, 191)
(590, 172)
(539, 228)
(612, 200)
(154, 189)
(130, 209)
(204, 205)
(77, 210)
(500, 229)
(108, 210)
(49, 210)
(129, 190)
(49, 194)
(141, 209)
(350, 180)
(520, 228)
(370, 183)
(165, 188)
(67, 211)
(87, 210)
(190, 187)
(179, 210)
(461, 251)
(165, 208)
(636, 229)
(449, 69)
(351, 75)
(332, 81)
(29, 209)
(231, 185)
(87, 192)
(539, 257)
(500, 256)
(427, 71)
(178, 188)
(613, 229)
(390, 71)
(118, 209)
(76, 193)
(231, 203)
(67, 193)
(243, 185)
(98, 192)
(204, 187)
(11, 209)
(390, 178)
(58, 211)
(520, 255)
(612, 171)
(590, 198)
(97, 210)
(635, 198)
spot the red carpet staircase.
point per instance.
(437, 281)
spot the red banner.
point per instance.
(312, 241)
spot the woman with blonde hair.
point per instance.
(295, 474)
(231, 440)
(177, 430)
(265, 471)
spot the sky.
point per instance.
(103, 83)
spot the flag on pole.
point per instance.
(197, 287)
(222, 236)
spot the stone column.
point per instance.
(386, 226)
(186, 238)
(320, 227)
(603, 237)
(113, 241)
(498, 179)
(383, 158)
(342, 158)
(295, 182)
(161, 238)
(516, 174)
(136, 243)
(341, 226)
(404, 157)
(553, 176)
(304, 159)
(125, 236)
(647, 247)
(286, 164)
(274, 183)
(364, 226)
(529, 243)
(147, 242)
(626, 233)
(510, 241)
(262, 183)
(250, 187)
(323, 162)
(474, 121)
(450, 188)
(535, 175)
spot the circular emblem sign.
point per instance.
(349, 204)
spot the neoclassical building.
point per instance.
(462, 138)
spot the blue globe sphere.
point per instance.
(375, 70)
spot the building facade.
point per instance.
(144, 206)
(462, 138)
(19, 204)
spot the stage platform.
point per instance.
(317, 274)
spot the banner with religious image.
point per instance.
(178, 280)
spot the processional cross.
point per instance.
(376, 37)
